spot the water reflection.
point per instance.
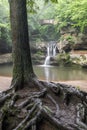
(51, 73)
(6, 70)
(48, 73)
(60, 73)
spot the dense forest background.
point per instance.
(65, 20)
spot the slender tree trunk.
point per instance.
(22, 64)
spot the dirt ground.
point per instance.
(81, 84)
(4, 82)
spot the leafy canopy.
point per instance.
(73, 13)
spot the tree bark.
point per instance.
(22, 64)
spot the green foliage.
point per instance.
(4, 21)
(63, 59)
(79, 13)
(4, 12)
(32, 6)
(53, 1)
(39, 53)
(70, 39)
(48, 32)
(73, 13)
(67, 13)
(38, 31)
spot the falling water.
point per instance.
(47, 60)
(48, 51)
(51, 52)
(54, 50)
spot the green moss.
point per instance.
(63, 59)
(48, 109)
(78, 87)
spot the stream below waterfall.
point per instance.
(51, 73)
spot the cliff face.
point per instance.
(81, 42)
(72, 39)
(80, 46)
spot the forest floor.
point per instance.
(80, 84)
(42, 105)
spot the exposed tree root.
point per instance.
(63, 106)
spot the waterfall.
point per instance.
(47, 60)
(48, 51)
(54, 50)
(51, 52)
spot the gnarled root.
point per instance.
(55, 103)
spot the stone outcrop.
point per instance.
(73, 39)
(80, 46)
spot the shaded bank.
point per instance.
(80, 84)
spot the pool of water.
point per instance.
(51, 73)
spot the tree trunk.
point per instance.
(22, 64)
